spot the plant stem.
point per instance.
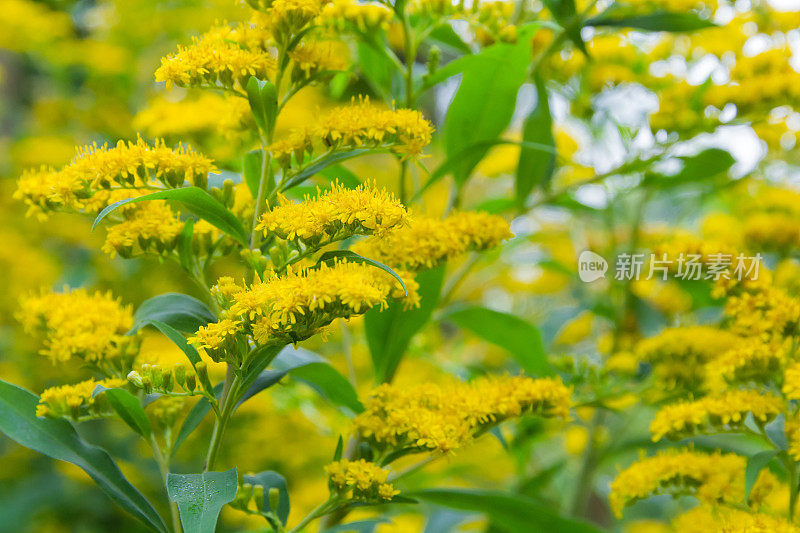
(162, 459)
(261, 199)
(321, 510)
(228, 401)
(411, 59)
(791, 466)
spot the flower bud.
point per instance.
(258, 496)
(274, 498)
(135, 379)
(179, 371)
(202, 374)
(191, 381)
(166, 379)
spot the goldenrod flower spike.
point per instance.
(77, 324)
(335, 215)
(296, 305)
(716, 413)
(76, 401)
(426, 242)
(711, 478)
(128, 165)
(443, 418)
(367, 481)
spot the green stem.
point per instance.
(791, 466)
(321, 510)
(261, 199)
(228, 401)
(162, 459)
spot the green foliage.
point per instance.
(200, 497)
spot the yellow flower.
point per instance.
(366, 17)
(75, 401)
(128, 165)
(335, 215)
(751, 360)
(433, 417)
(206, 113)
(222, 56)
(426, 242)
(678, 355)
(314, 57)
(366, 480)
(218, 339)
(721, 519)
(711, 478)
(296, 305)
(87, 326)
(715, 413)
(152, 227)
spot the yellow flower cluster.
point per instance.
(678, 355)
(707, 519)
(224, 56)
(285, 18)
(75, 401)
(27, 25)
(427, 242)
(766, 312)
(296, 305)
(365, 17)
(128, 165)
(759, 83)
(711, 478)
(751, 360)
(366, 480)
(205, 114)
(791, 381)
(81, 325)
(335, 215)
(314, 57)
(714, 413)
(443, 418)
(151, 228)
(359, 125)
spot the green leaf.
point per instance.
(453, 162)
(57, 438)
(379, 71)
(390, 331)
(485, 101)
(179, 311)
(330, 384)
(337, 455)
(330, 258)
(703, 165)
(509, 512)
(262, 357)
(536, 167)
(359, 526)
(263, 100)
(755, 464)
(178, 339)
(508, 331)
(197, 201)
(322, 164)
(657, 21)
(200, 497)
(272, 480)
(251, 170)
(128, 408)
(446, 35)
(776, 432)
(309, 367)
(185, 242)
(194, 418)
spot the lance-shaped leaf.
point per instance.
(57, 438)
(511, 513)
(322, 164)
(179, 340)
(656, 21)
(389, 331)
(263, 98)
(536, 167)
(251, 170)
(128, 408)
(508, 331)
(200, 497)
(485, 101)
(755, 465)
(196, 201)
(179, 311)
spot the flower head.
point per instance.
(76, 401)
(366, 480)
